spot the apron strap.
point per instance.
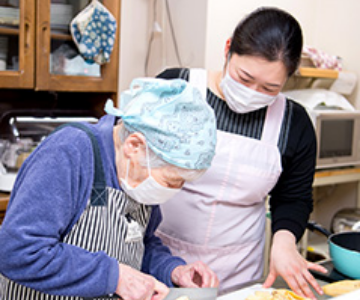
(99, 192)
(198, 78)
(274, 114)
(273, 121)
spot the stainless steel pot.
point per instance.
(346, 220)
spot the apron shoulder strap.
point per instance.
(198, 78)
(99, 192)
(273, 120)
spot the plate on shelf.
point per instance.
(60, 14)
(9, 15)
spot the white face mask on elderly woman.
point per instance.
(149, 192)
(242, 99)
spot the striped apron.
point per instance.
(103, 226)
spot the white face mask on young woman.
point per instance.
(242, 99)
(148, 192)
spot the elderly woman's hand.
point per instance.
(286, 261)
(194, 275)
(135, 285)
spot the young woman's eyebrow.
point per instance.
(266, 83)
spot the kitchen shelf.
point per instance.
(336, 172)
(9, 30)
(61, 36)
(317, 73)
(338, 176)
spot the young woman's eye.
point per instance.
(245, 80)
(269, 90)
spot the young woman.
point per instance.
(266, 146)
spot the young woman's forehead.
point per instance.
(273, 72)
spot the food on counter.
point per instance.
(259, 295)
(341, 287)
(183, 298)
(279, 294)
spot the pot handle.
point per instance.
(313, 226)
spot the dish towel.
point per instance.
(93, 31)
(322, 60)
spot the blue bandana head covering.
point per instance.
(178, 124)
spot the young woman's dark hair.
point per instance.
(270, 33)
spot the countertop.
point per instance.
(240, 292)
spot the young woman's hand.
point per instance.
(286, 261)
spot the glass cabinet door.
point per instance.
(59, 65)
(17, 27)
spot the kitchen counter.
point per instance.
(240, 292)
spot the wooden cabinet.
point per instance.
(17, 45)
(30, 39)
(37, 76)
(4, 199)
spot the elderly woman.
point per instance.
(84, 208)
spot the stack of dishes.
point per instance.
(9, 15)
(60, 15)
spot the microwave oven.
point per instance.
(338, 137)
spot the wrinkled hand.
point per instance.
(134, 285)
(286, 261)
(194, 275)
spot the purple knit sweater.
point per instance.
(50, 194)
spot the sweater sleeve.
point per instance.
(49, 195)
(158, 260)
(291, 199)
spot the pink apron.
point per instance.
(220, 218)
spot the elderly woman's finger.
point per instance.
(208, 277)
(160, 291)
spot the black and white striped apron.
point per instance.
(103, 226)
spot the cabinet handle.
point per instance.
(27, 35)
(44, 32)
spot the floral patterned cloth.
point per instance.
(93, 31)
(322, 60)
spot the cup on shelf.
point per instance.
(3, 52)
(2, 65)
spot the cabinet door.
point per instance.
(17, 27)
(59, 67)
